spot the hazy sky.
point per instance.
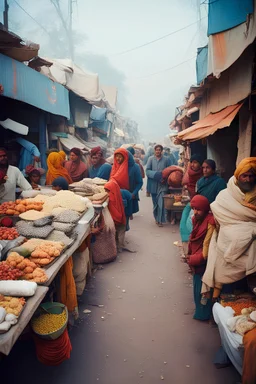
(114, 26)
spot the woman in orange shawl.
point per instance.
(120, 171)
(115, 205)
(56, 169)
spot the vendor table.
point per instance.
(83, 230)
(231, 342)
(8, 339)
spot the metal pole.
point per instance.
(6, 8)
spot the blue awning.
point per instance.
(227, 14)
(25, 84)
(201, 64)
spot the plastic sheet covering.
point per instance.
(227, 14)
(225, 48)
(231, 342)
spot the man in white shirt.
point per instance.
(12, 178)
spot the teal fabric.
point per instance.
(158, 206)
(27, 153)
(202, 312)
(186, 224)
(210, 187)
(227, 14)
(103, 171)
(135, 182)
(201, 64)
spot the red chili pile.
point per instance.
(9, 273)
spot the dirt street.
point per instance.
(142, 330)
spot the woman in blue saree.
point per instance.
(99, 167)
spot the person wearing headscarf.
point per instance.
(56, 169)
(75, 166)
(203, 227)
(232, 254)
(119, 170)
(60, 184)
(117, 211)
(156, 185)
(63, 156)
(99, 167)
(137, 161)
(50, 150)
(210, 184)
(193, 174)
(135, 182)
(34, 175)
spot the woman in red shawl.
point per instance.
(203, 227)
(120, 171)
(116, 209)
(193, 174)
(75, 166)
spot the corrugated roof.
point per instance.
(210, 124)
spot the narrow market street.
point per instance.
(140, 328)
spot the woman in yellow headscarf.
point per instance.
(56, 169)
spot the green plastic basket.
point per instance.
(55, 308)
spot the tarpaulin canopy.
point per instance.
(227, 14)
(210, 124)
(226, 47)
(83, 83)
(201, 64)
(27, 85)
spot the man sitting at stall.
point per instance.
(232, 251)
(11, 177)
(99, 167)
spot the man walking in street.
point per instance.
(156, 186)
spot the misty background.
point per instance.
(151, 80)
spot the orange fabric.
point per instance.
(245, 165)
(63, 155)
(210, 124)
(56, 169)
(53, 352)
(68, 286)
(249, 367)
(120, 172)
(115, 205)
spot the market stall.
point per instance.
(48, 230)
(235, 317)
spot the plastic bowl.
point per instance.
(56, 308)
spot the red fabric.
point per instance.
(200, 203)
(120, 171)
(141, 168)
(76, 151)
(173, 175)
(115, 205)
(2, 175)
(53, 352)
(98, 151)
(196, 241)
(190, 179)
(76, 169)
(175, 179)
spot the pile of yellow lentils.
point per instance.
(48, 323)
